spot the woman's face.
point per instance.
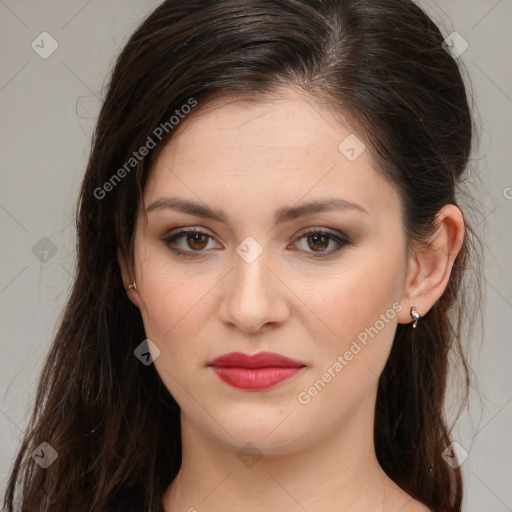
(259, 280)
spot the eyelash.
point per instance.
(340, 239)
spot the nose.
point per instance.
(253, 296)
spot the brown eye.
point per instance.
(192, 242)
(196, 240)
(188, 242)
(318, 241)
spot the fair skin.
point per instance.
(249, 160)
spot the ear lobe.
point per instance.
(431, 264)
(127, 279)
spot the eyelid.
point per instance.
(192, 229)
(324, 231)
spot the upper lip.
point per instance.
(258, 360)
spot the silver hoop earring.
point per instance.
(130, 286)
(415, 316)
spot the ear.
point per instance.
(430, 265)
(127, 279)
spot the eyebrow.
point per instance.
(284, 214)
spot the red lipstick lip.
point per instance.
(258, 360)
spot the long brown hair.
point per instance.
(379, 63)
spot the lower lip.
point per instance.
(255, 378)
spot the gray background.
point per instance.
(49, 107)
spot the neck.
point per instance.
(341, 468)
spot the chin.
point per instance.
(266, 432)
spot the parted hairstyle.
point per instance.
(380, 64)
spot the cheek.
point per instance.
(360, 304)
(173, 317)
(361, 307)
(177, 309)
(173, 308)
(171, 299)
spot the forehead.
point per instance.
(279, 150)
(291, 121)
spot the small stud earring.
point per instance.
(415, 316)
(130, 286)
